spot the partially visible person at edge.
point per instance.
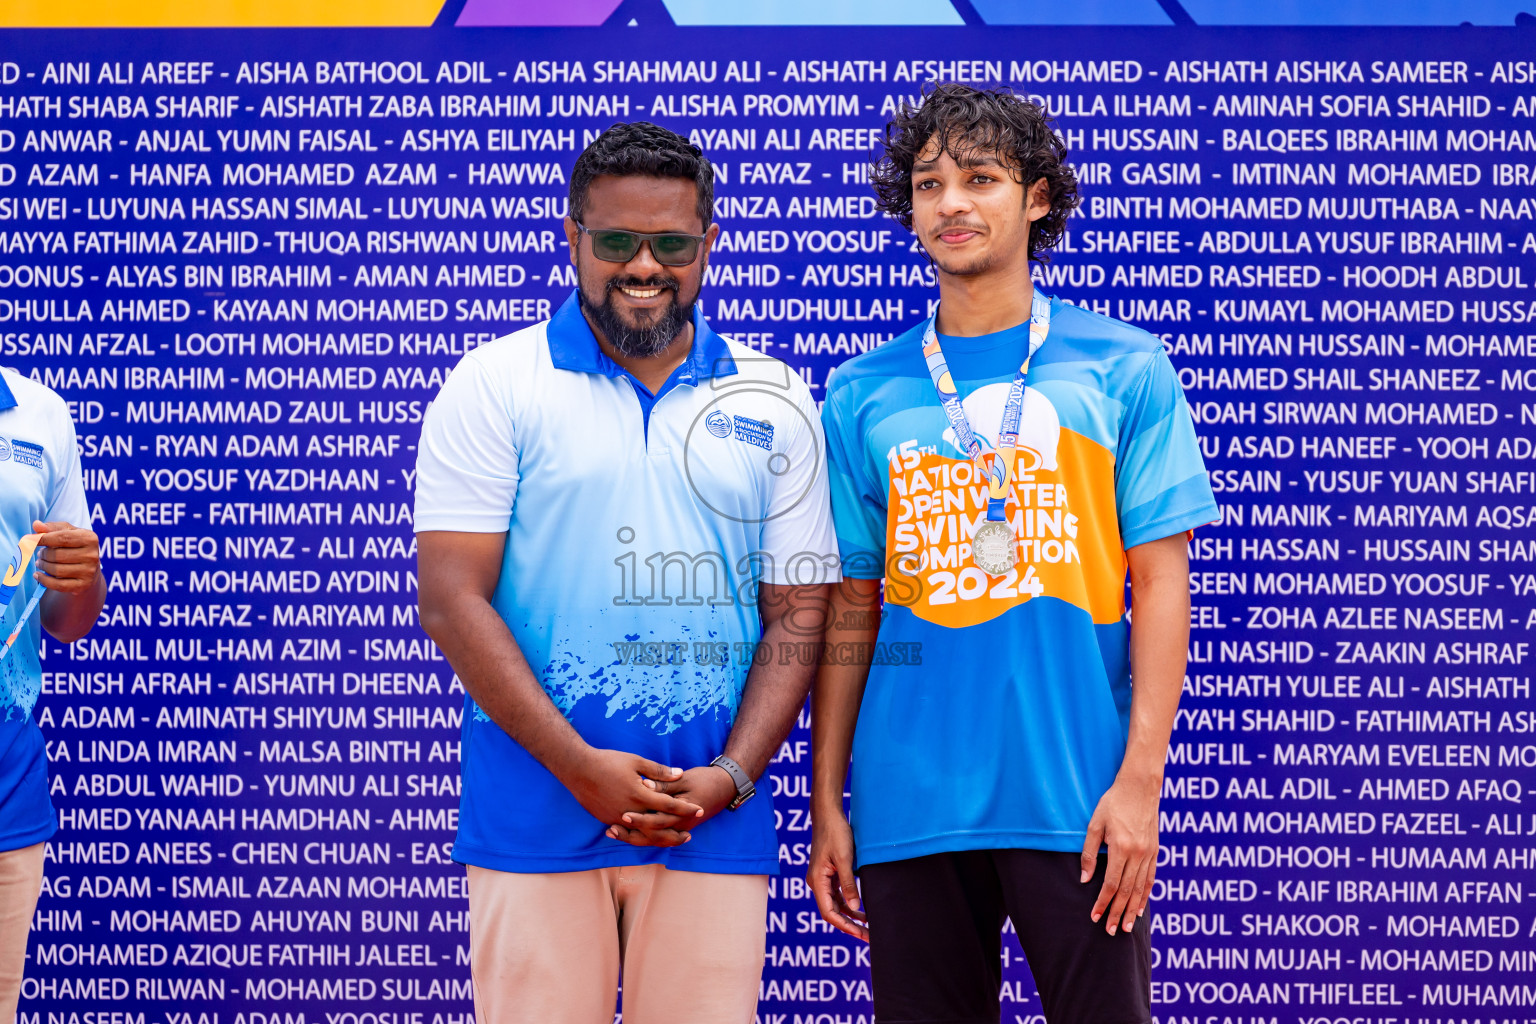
(989, 781)
(613, 508)
(42, 496)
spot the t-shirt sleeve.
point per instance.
(858, 503)
(467, 461)
(67, 502)
(797, 536)
(1161, 486)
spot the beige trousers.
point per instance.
(550, 948)
(21, 879)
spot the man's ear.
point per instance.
(572, 238)
(712, 233)
(1039, 203)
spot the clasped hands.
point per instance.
(645, 803)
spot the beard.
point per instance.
(652, 334)
(975, 265)
(957, 266)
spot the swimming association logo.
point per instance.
(772, 396)
(758, 432)
(5, 450)
(26, 453)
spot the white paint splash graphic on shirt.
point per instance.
(664, 696)
(18, 688)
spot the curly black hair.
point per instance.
(967, 122)
(642, 148)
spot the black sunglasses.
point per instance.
(669, 248)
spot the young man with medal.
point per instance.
(1000, 467)
(50, 579)
(617, 510)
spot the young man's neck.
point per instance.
(974, 304)
(652, 371)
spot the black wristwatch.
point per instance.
(744, 787)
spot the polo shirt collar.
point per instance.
(7, 399)
(572, 346)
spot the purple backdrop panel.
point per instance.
(532, 13)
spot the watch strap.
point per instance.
(744, 785)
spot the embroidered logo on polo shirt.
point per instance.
(27, 453)
(758, 432)
(5, 450)
(718, 423)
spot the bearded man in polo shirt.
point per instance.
(1000, 467)
(613, 508)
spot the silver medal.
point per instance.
(992, 549)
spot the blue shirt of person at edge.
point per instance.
(40, 479)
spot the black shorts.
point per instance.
(935, 945)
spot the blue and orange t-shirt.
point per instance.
(1015, 721)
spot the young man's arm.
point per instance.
(793, 619)
(1126, 817)
(458, 574)
(67, 559)
(852, 626)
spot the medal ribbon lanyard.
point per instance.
(10, 581)
(999, 475)
(21, 623)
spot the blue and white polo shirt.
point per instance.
(39, 479)
(638, 527)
